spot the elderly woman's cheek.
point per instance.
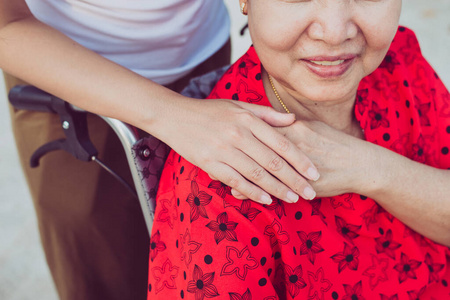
(379, 28)
(279, 40)
(382, 36)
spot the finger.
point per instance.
(287, 150)
(251, 168)
(233, 179)
(286, 183)
(268, 114)
(237, 195)
(212, 177)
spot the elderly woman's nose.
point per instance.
(333, 24)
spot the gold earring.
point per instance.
(242, 8)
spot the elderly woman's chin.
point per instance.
(334, 90)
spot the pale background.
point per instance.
(23, 272)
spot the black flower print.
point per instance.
(407, 268)
(390, 61)
(188, 247)
(156, 245)
(245, 66)
(278, 206)
(246, 296)
(276, 234)
(420, 150)
(384, 297)
(399, 145)
(310, 244)
(341, 201)
(197, 201)
(223, 228)
(239, 262)
(378, 117)
(423, 109)
(388, 87)
(386, 245)
(165, 276)
(318, 285)
(247, 210)
(315, 209)
(434, 269)
(293, 279)
(168, 212)
(420, 239)
(192, 175)
(388, 216)
(415, 295)
(370, 216)
(246, 94)
(348, 231)
(202, 284)
(348, 258)
(353, 292)
(221, 189)
(377, 271)
(421, 79)
(361, 101)
(408, 51)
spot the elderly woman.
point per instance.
(374, 120)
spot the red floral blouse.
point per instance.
(207, 244)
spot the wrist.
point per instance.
(375, 173)
(158, 110)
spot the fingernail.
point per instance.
(292, 197)
(313, 174)
(309, 193)
(266, 199)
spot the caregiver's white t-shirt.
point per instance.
(160, 39)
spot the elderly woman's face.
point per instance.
(321, 49)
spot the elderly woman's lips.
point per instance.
(329, 67)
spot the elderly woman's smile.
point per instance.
(329, 66)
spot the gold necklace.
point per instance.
(277, 95)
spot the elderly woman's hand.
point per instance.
(415, 193)
(344, 161)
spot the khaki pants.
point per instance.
(92, 231)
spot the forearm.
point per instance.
(48, 59)
(416, 194)
(228, 139)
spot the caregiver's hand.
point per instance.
(344, 161)
(235, 143)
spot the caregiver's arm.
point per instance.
(416, 194)
(227, 139)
